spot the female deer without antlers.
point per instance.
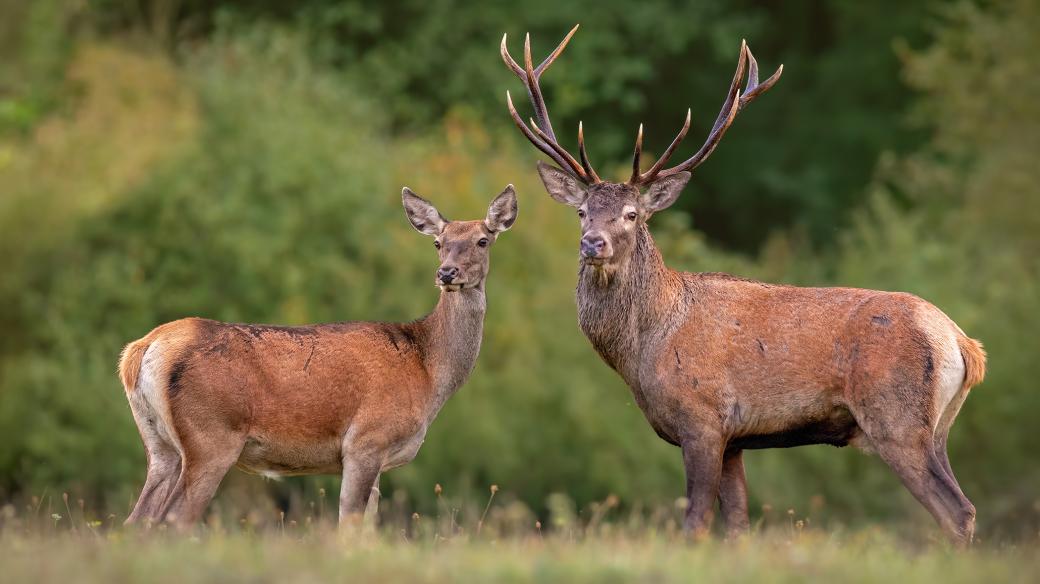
(720, 364)
(354, 398)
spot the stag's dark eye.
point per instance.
(436, 244)
(581, 213)
(483, 242)
(632, 215)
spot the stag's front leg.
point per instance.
(702, 456)
(733, 494)
(360, 473)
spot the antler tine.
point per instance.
(722, 123)
(519, 71)
(578, 169)
(584, 155)
(504, 51)
(538, 143)
(540, 132)
(636, 154)
(651, 174)
(754, 88)
(752, 76)
(535, 92)
(556, 52)
(734, 88)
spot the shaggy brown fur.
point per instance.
(354, 398)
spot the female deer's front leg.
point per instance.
(359, 476)
(702, 456)
(372, 510)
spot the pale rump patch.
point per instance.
(947, 363)
(151, 395)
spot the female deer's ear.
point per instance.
(663, 192)
(502, 212)
(422, 214)
(562, 187)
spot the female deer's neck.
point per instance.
(453, 333)
(618, 308)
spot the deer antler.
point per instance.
(735, 101)
(540, 131)
(541, 134)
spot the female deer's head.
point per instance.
(610, 212)
(462, 246)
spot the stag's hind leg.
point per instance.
(942, 430)
(904, 438)
(923, 475)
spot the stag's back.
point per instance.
(813, 348)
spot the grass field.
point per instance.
(243, 557)
(505, 545)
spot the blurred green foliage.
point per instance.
(185, 158)
(840, 105)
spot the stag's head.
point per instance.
(463, 246)
(611, 212)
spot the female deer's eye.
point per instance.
(483, 242)
(436, 244)
(632, 215)
(581, 214)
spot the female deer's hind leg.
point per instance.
(164, 465)
(204, 465)
(163, 469)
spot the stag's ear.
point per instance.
(663, 192)
(422, 214)
(561, 186)
(502, 212)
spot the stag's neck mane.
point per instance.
(623, 308)
(451, 336)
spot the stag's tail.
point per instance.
(974, 360)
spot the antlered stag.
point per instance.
(354, 397)
(720, 364)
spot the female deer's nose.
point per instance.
(447, 274)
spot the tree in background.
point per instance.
(798, 160)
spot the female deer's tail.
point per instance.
(130, 363)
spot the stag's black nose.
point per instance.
(447, 274)
(592, 245)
